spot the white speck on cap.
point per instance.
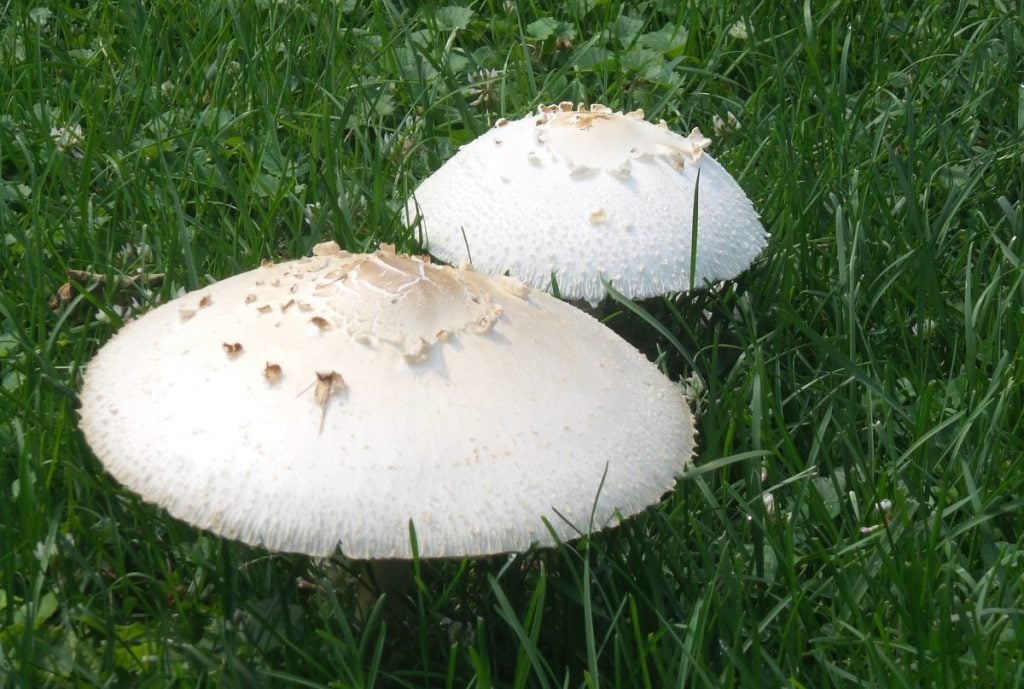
(472, 406)
(535, 197)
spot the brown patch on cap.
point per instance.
(327, 386)
(272, 372)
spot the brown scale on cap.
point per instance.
(327, 385)
(272, 372)
(487, 321)
(326, 249)
(232, 349)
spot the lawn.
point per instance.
(856, 514)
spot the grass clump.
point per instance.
(857, 515)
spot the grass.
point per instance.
(858, 515)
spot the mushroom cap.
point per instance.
(326, 402)
(588, 195)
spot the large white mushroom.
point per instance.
(588, 195)
(325, 403)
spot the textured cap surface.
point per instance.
(585, 195)
(328, 401)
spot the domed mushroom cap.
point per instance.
(588, 194)
(328, 401)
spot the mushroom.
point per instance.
(588, 195)
(328, 402)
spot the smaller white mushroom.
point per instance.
(571, 188)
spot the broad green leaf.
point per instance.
(670, 40)
(542, 29)
(453, 18)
